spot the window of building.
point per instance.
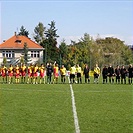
(18, 41)
(8, 54)
(35, 54)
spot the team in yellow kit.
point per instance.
(63, 72)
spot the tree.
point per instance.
(23, 31)
(4, 60)
(63, 50)
(103, 51)
(85, 51)
(126, 55)
(51, 32)
(22, 60)
(114, 51)
(25, 53)
(52, 52)
(39, 33)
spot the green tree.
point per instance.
(4, 60)
(114, 51)
(126, 55)
(104, 51)
(39, 33)
(23, 31)
(22, 60)
(63, 49)
(25, 53)
(86, 51)
(50, 43)
(84, 45)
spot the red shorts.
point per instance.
(56, 75)
(42, 75)
(10, 74)
(17, 75)
(3, 74)
(30, 75)
(35, 75)
(23, 74)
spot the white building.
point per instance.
(12, 49)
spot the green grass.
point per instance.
(36, 109)
(104, 108)
(101, 108)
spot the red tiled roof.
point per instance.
(17, 42)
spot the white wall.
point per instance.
(18, 54)
(1, 58)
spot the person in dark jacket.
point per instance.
(111, 74)
(86, 73)
(104, 74)
(123, 72)
(117, 74)
(130, 74)
(49, 71)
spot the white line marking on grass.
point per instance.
(77, 129)
(103, 91)
(83, 91)
(30, 90)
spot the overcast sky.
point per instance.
(73, 18)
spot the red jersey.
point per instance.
(35, 70)
(10, 71)
(17, 71)
(42, 71)
(3, 71)
(30, 71)
(56, 70)
(23, 70)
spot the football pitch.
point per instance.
(56, 108)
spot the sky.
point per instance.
(73, 18)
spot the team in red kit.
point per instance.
(35, 74)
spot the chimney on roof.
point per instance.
(15, 33)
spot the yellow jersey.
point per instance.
(63, 71)
(72, 70)
(10, 70)
(78, 69)
(17, 69)
(3, 69)
(96, 70)
(35, 69)
(30, 69)
(23, 68)
(42, 69)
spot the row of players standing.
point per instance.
(20, 73)
(114, 75)
(77, 70)
(49, 70)
(32, 73)
(118, 74)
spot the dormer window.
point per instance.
(18, 41)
